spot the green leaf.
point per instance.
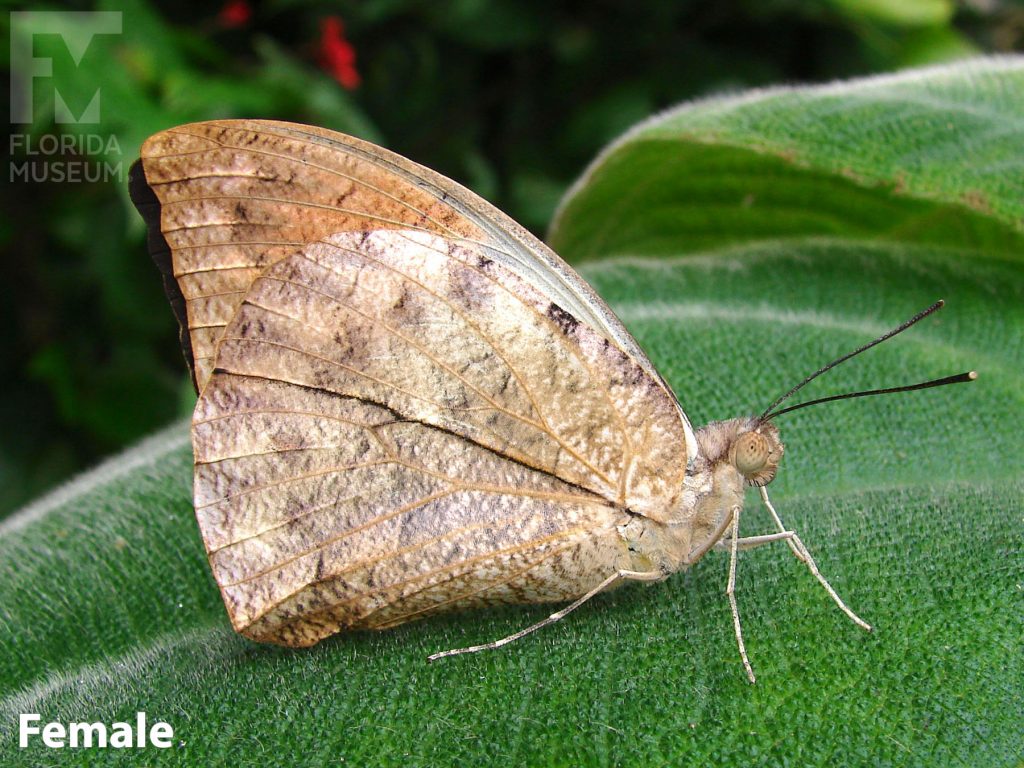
(911, 503)
(927, 156)
(908, 13)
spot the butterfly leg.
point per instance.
(801, 552)
(730, 590)
(751, 542)
(557, 615)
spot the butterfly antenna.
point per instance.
(959, 378)
(963, 377)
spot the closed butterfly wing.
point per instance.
(396, 420)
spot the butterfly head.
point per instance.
(745, 449)
(755, 451)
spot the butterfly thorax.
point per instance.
(732, 455)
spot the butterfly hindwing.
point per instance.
(322, 512)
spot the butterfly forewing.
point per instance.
(224, 199)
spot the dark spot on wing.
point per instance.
(565, 322)
(320, 567)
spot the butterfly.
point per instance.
(408, 404)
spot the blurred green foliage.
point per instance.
(510, 98)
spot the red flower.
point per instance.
(235, 13)
(337, 55)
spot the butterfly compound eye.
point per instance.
(752, 450)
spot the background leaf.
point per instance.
(929, 156)
(912, 504)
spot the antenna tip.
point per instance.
(972, 375)
(940, 303)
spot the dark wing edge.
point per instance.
(148, 206)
